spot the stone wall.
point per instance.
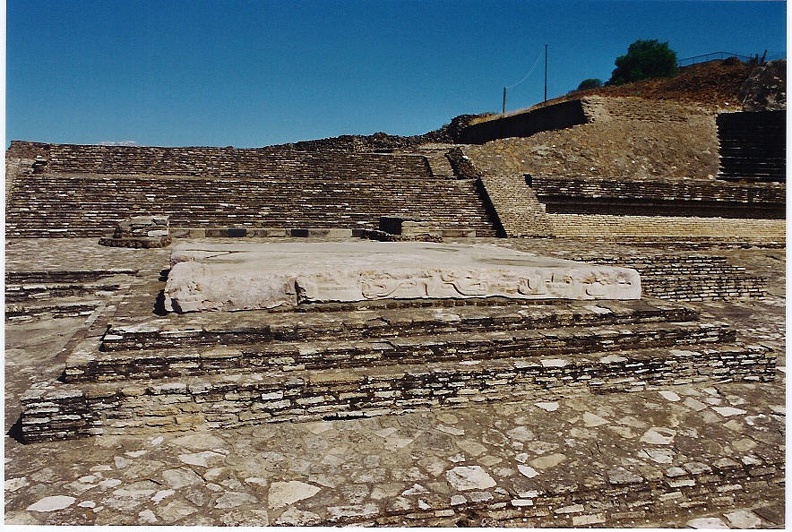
(23, 149)
(236, 400)
(621, 499)
(600, 108)
(687, 278)
(558, 116)
(752, 145)
(360, 360)
(676, 229)
(660, 197)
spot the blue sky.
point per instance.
(252, 73)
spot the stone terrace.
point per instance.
(216, 162)
(85, 190)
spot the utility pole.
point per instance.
(503, 109)
(545, 74)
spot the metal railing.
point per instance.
(687, 61)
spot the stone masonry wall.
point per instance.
(752, 145)
(68, 412)
(687, 278)
(747, 200)
(558, 116)
(622, 499)
(629, 228)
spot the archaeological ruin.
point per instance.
(571, 316)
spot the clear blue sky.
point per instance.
(257, 72)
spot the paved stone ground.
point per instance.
(350, 471)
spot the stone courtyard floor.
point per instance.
(351, 471)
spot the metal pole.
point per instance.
(545, 86)
(503, 111)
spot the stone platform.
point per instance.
(255, 276)
(479, 412)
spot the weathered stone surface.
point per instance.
(658, 436)
(398, 463)
(743, 519)
(287, 493)
(466, 478)
(51, 504)
(249, 276)
(707, 523)
(295, 517)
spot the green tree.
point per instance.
(644, 60)
(590, 83)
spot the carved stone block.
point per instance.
(259, 276)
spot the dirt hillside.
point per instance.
(714, 84)
(614, 146)
(674, 134)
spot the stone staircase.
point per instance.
(340, 361)
(83, 205)
(59, 294)
(83, 191)
(517, 207)
(217, 162)
(436, 158)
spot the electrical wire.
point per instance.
(529, 72)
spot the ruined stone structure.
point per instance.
(651, 209)
(558, 116)
(251, 192)
(272, 333)
(644, 207)
(342, 360)
(140, 232)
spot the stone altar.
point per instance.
(251, 276)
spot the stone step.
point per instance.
(63, 276)
(69, 410)
(39, 291)
(86, 364)
(46, 205)
(383, 319)
(63, 308)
